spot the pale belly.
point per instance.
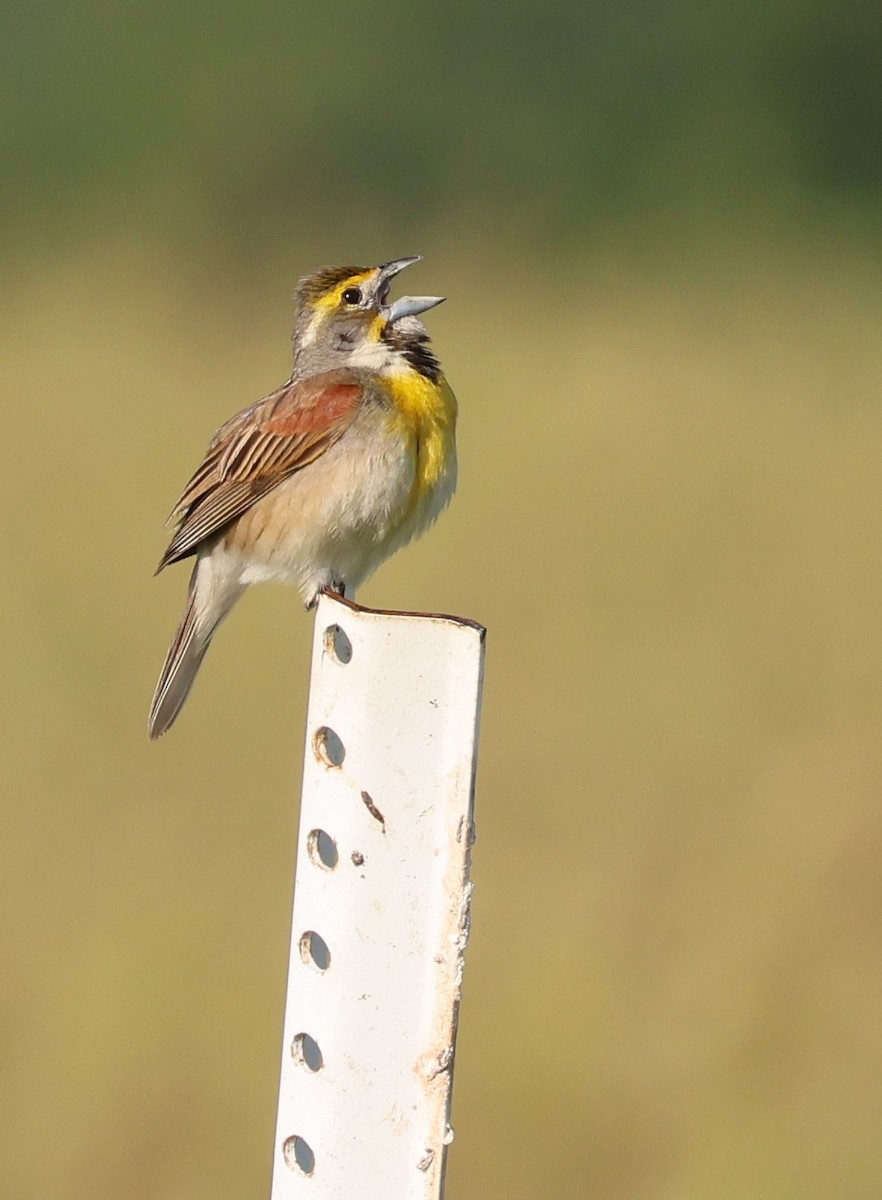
(337, 519)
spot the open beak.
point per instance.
(406, 306)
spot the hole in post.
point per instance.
(314, 951)
(322, 849)
(305, 1050)
(298, 1154)
(328, 747)
(337, 644)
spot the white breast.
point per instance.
(336, 520)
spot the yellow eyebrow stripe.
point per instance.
(334, 298)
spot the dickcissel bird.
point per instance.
(322, 480)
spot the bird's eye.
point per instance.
(352, 296)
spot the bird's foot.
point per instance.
(336, 589)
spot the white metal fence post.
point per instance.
(381, 906)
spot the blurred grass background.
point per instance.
(659, 229)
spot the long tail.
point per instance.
(183, 660)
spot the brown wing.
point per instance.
(259, 448)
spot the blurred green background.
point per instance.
(659, 230)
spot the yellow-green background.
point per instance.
(659, 230)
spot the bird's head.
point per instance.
(344, 316)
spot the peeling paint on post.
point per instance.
(381, 905)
